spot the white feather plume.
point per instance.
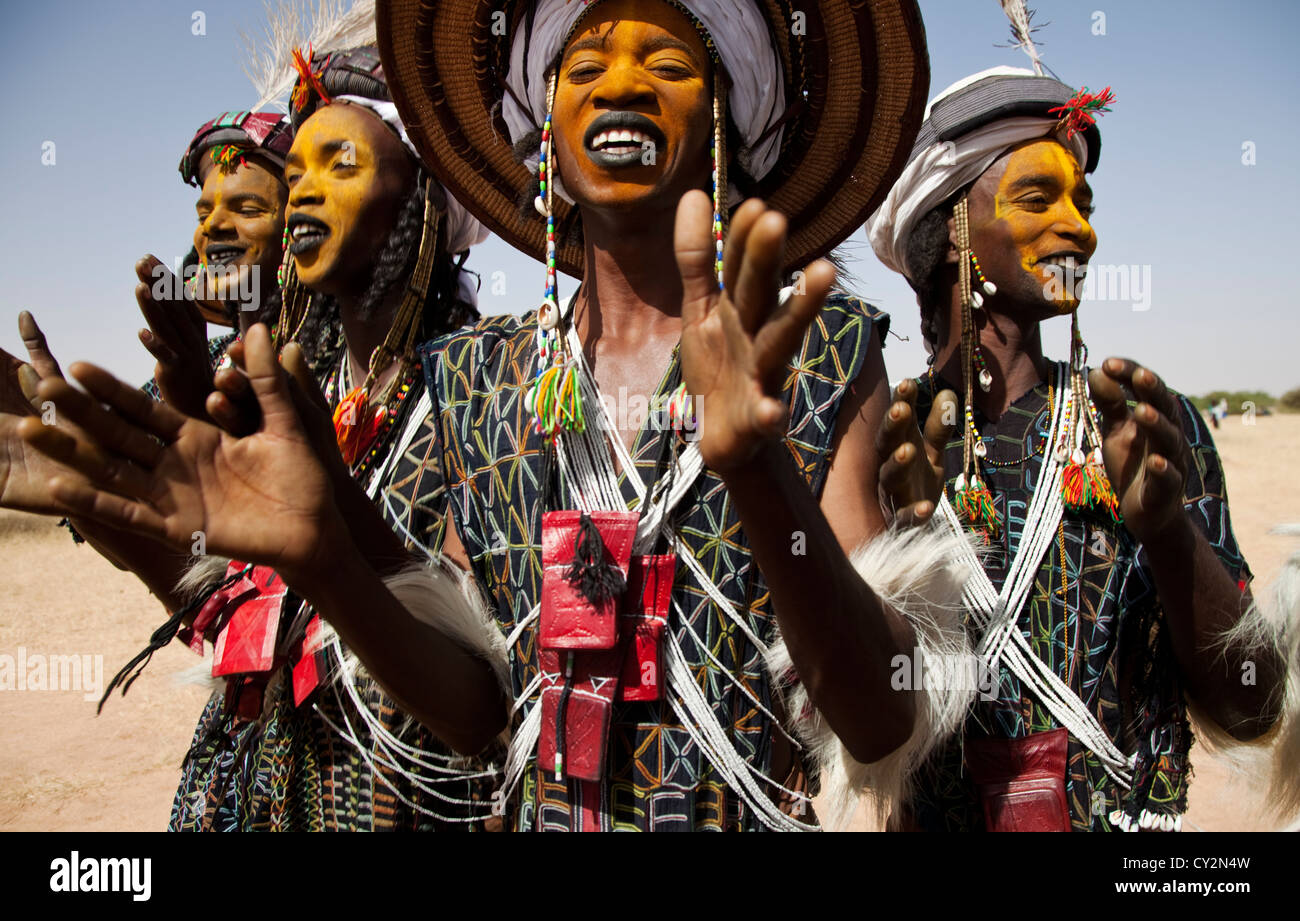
(1021, 30)
(324, 25)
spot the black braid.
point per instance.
(927, 249)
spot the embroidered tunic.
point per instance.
(1108, 640)
(656, 776)
(294, 771)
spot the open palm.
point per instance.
(25, 472)
(264, 498)
(736, 342)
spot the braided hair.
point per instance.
(322, 333)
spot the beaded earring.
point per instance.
(680, 405)
(1084, 483)
(554, 398)
(970, 496)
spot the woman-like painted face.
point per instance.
(241, 219)
(1029, 227)
(348, 175)
(633, 106)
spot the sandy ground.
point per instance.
(62, 768)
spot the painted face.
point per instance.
(348, 175)
(241, 218)
(1029, 226)
(633, 107)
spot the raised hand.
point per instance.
(737, 342)
(911, 472)
(24, 471)
(266, 498)
(1144, 449)
(177, 337)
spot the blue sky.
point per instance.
(120, 87)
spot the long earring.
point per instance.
(1084, 484)
(553, 398)
(971, 496)
(719, 154)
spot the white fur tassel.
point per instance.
(447, 599)
(203, 572)
(1284, 790)
(916, 574)
(1272, 625)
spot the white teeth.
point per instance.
(599, 139)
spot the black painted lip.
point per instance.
(632, 121)
(319, 230)
(222, 254)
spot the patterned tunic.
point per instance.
(656, 776)
(292, 771)
(1108, 640)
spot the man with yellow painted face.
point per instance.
(371, 255)
(237, 159)
(1110, 573)
(757, 661)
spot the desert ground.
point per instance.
(62, 768)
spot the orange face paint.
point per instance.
(639, 69)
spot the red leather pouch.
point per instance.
(584, 700)
(247, 643)
(214, 612)
(649, 595)
(568, 619)
(309, 669)
(1021, 782)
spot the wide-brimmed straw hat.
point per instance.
(856, 76)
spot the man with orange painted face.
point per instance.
(657, 481)
(659, 476)
(1109, 573)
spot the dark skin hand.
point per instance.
(735, 348)
(177, 338)
(1147, 459)
(24, 479)
(267, 498)
(911, 476)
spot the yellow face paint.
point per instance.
(1039, 224)
(348, 176)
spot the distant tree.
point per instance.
(1290, 401)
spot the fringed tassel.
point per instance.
(161, 637)
(555, 400)
(1103, 496)
(975, 503)
(228, 157)
(589, 574)
(1085, 486)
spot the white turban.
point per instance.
(739, 32)
(937, 173)
(463, 229)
